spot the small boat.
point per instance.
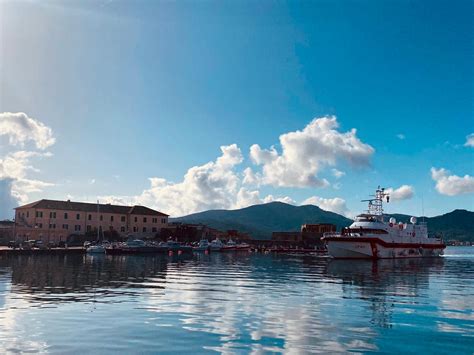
(175, 246)
(95, 249)
(230, 246)
(242, 247)
(203, 245)
(216, 245)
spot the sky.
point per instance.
(185, 106)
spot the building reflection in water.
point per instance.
(80, 277)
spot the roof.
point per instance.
(92, 207)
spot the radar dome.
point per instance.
(392, 220)
(413, 220)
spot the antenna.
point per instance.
(422, 208)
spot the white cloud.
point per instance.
(16, 166)
(452, 185)
(19, 128)
(404, 192)
(209, 186)
(247, 198)
(337, 173)
(469, 140)
(285, 199)
(336, 204)
(305, 153)
(401, 136)
(214, 185)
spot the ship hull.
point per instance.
(368, 248)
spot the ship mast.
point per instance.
(376, 203)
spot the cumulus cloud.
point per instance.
(452, 185)
(469, 140)
(305, 153)
(285, 199)
(404, 192)
(401, 136)
(336, 204)
(209, 186)
(214, 185)
(19, 128)
(16, 166)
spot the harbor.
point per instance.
(235, 303)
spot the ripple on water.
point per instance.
(236, 303)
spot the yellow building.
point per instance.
(51, 220)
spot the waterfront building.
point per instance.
(53, 221)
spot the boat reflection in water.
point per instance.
(383, 283)
(235, 303)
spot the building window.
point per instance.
(136, 219)
(144, 219)
(65, 226)
(65, 215)
(39, 225)
(111, 218)
(101, 217)
(153, 229)
(77, 227)
(78, 216)
(90, 217)
(122, 219)
(122, 229)
(27, 214)
(154, 220)
(52, 214)
(144, 229)
(89, 228)
(134, 229)
(39, 214)
(163, 220)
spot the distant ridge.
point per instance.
(261, 220)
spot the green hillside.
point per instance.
(261, 220)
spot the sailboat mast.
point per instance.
(98, 236)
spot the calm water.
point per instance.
(236, 304)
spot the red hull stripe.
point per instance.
(384, 243)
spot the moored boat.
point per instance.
(370, 236)
(216, 245)
(95, 249)
(203, 245)
(229, 246)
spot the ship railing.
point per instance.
(331, 234)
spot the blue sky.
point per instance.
(133, 90)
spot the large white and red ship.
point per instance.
(370, 236)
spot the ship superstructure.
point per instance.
(370, 236)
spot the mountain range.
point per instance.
(261, 220)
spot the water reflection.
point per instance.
(384, 283)
(235, 303)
